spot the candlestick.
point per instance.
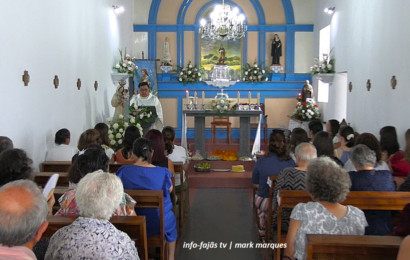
(195, 96)
(203, 97)
(187, 96)
(249, 97)
(258, 98)
(239, 96)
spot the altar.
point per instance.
(244, 124)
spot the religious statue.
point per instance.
(221, 60)
(166, 55)
(276, 51)
(307, 91)
(118, 102)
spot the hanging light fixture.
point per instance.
(225, 24)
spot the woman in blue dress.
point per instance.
(145, 176)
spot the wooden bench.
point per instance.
(178, 166)
(352, 247)
(153, 199)
(64, 166)
(135, 227)
(41, 178)
(364, 200)
(268, 225)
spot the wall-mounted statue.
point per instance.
(166, 54)
(276, 51)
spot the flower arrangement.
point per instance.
(221, 105)
(306, 111)
(116, 131)
(229, 155)
(190, 74)
(323, 66)
(254, 73)
(140, 115)
(126, 64)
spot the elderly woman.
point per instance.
(143, 175)
(292, 179)
(368, 179)
(92, 236)
(328, 185)
(275, 161)
(93, 159)
(370, 141)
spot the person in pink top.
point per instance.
(23, 219)
(400, 161)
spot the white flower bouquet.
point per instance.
(254, 73)
(323, 66)
(116, 131)
(190, 74)
(306, 111)
(221, 105)
(126, 64)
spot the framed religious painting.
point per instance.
(209, 55)
(146, 72)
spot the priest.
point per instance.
(145, 98)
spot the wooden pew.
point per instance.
(364, 200)
(41, 178)
(64, 166)
(269, 219)
(135, 227)
(178, 166)
(153, 199)
(352, 247)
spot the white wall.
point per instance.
(71, 39)
(303, 52)
(370, 40)
(140, 39)
(304, 11)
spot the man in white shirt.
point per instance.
(62, 151)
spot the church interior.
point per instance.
(60, 63)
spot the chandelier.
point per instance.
(225, 24)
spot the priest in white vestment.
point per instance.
(145, 98)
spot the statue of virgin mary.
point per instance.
(166, 55)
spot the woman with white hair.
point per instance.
(368, 179)
(92, 236)
(328, 185)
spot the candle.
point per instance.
(195, 96)
(239, 96)
(258, 98)
(187, 96)
(249, 97)
(203, 97)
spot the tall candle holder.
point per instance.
(195, 107)
(203, 107)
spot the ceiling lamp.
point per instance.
(329, 10)
(225, 24)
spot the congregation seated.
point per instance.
(315, 127)
(23, 219)
(272, 164)
(87, 138)
(346, 137)
(62, 151)
(175, 153)
(292, 179)
(400, 161)
(368, 179)
(328, 185)
(125, 155)
(94, 159)
(145, 176)
(102, 129)
(370, 141)
(92, 236)
(332, 127)
(5, 143)
(389, 142)
(325, 147)
(158, 145)
(297, 136)
(15, 165)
